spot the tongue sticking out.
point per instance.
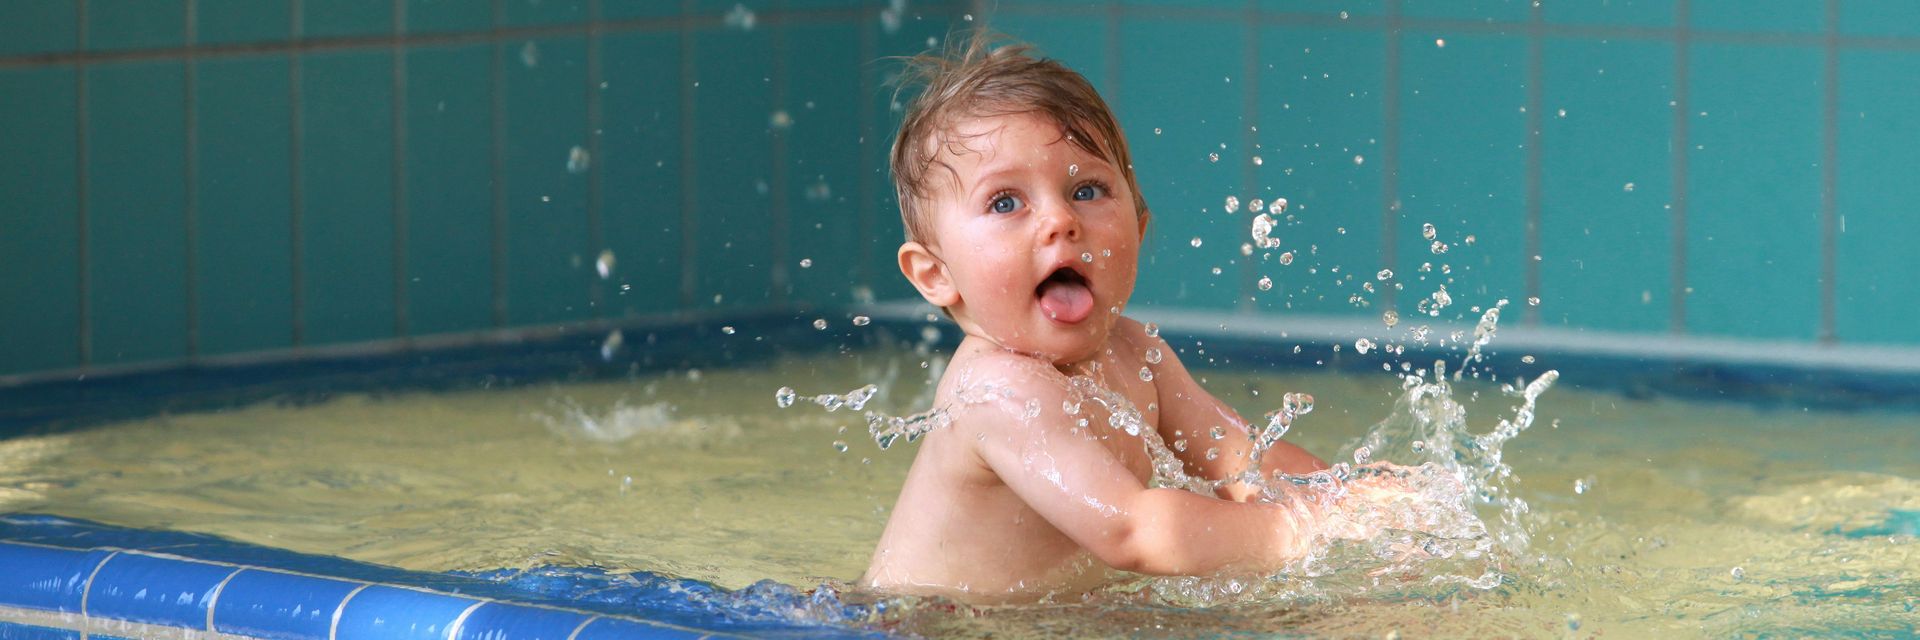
(1066, 301)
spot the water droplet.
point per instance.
(1359, 160)
(611, 346)
(780, 119)
(1153, 355)
(820, 323)
(1195, 242)
(1286, 258)
(784, 397)
(1581, 486)
(1073, 170)
(1385, 274)
(1469, 239)
(604, 264)
(1362, 346)
(840, 446)
(1086, 257)
(861, 321)
(1278, 206)
(1233, 204)
(742, 18)
(1257, 161)
(1256, 205)
(1343, 15)
(1628, 188)
(1533, 301)
(1213, 157)
(1440, 43)
(1739, 573)
(1146, 374)
(1427, 231)
(1262, 232)
(1391, 317)
(806, 263)
(1153, 330)
(1156, 131)
(1266, 283)
(1216, 271)
(1362, 455)
(1438, 247)
(1526, 359)
(577, 160)
(530, 54)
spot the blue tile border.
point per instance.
(67, 578)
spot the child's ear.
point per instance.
(1144, 217)
(928, 274)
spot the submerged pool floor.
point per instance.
(1657, 517)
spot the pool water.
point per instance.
(1653, 517)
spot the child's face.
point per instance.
(1036, 245)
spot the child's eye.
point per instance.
(1089, 191)
(1005, 203)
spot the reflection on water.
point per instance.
(1649, 517)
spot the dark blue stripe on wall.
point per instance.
(46, 579)
(162, 591)
(278, 605)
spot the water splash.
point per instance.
(1425, 507)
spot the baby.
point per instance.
(1024, 223)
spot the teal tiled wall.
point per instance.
(205, 177)
(186, 179)
(1698, 167)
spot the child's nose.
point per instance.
(1058, 223)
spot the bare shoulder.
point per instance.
(991, 384)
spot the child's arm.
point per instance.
(1072, 479)
(1188, 411)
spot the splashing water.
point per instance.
(1263, 232)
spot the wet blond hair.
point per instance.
(973, 78)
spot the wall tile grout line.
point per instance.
(1110, 47)
(689, 201)
(867, 184)
(1830, 179)
(381, 42)
(1536, 108)
(296, 189)
(779, 283)
(82, 182)
(1677, 280)
(402, 311)
(596, 177)
(190, 81)
(1249, 146)
(1390, 151)
(1551, 30)
(497, 81)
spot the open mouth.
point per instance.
(1065, 295)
